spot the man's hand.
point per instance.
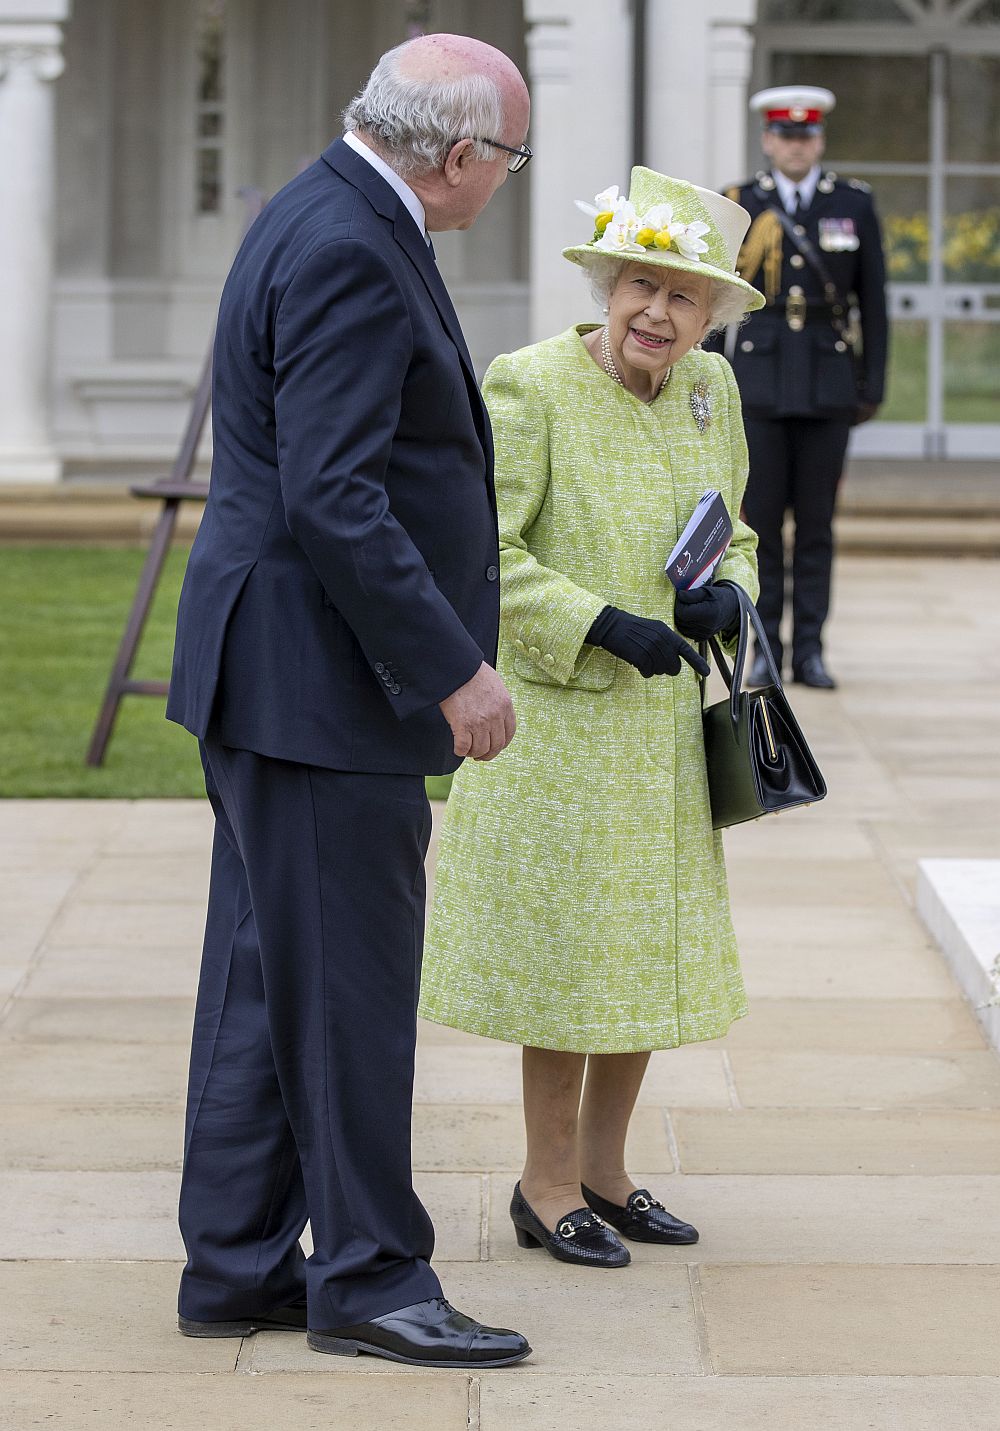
(865, 412)
(481, 715)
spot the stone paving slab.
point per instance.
(802, 1218)
(858, 1026)
(811, 972)
(837, 1141)
(121, 1215)
(339, 1401)
(116, 924)
(802, 1320)
(110, 1138)
(565, 1312)
(595, 1402)
(100, 1316)
(145, 879)
(822, 1080)
(769, 881)
(95, 971)
(47, 1072)
(692, 1076)
(490, 1136)
(100, 1020)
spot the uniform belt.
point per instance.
(798, 310)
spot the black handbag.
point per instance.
(757, 757)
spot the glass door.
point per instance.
(923, 128)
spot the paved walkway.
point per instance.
(840, 1151)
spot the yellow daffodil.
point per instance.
(663, 239)
(602, 221)
(645, 237)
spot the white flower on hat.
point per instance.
(689, 241)
(605, 201)
(619, 237)
(660, 216)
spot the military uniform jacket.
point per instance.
(806, 367)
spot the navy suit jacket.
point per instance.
(344, 577)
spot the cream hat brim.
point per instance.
(586, 254)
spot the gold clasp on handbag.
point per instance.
(762, 705)
(795, 309)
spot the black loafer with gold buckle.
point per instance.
(642, 1219)
(581, 1237)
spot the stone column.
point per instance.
(30, 60)
(730, 62)
(579, 69)
(698, 61)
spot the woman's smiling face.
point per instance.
(656, 315)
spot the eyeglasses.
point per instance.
(521, 154)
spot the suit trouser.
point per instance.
(795, 462)
(299, 1102)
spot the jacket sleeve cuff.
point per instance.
(560, 651)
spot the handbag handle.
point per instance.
(734, 679)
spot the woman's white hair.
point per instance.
(415, 122)
(726, 302)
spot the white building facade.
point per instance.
(129, 127)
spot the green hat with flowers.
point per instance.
(670, 223)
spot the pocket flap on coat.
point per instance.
(595, 671)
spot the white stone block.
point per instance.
(959, 901)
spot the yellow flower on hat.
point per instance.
(645, 236)
(602, 221)
(663, 239)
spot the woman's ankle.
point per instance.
(615, 1187)
(551, 1201)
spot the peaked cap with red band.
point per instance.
(793, 110)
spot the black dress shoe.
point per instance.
(811, 672)
(759, 673)
(283, 1319)
(581, 1237)
(429, 1333)
(643, 1219)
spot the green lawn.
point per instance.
(61, 614)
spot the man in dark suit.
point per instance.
(335, 641)
(815, 250)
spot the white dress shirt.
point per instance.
(409, 198)
(806, 187)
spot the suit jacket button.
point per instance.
(534, 652)
(797, 261)
(395, 688)
(379, 668)
(548, 659)
(746, 346)
(492, 572)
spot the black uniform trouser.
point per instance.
(795, 462)
(299, 1100)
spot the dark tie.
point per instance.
(430, 247)
(796, 204)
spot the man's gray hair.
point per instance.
(726, 303)
(415, 122)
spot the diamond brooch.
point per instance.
(701, 404)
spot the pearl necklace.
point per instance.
(612, 371)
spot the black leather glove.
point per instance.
(709, 611)
(650, 646)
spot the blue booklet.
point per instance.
(701, 545)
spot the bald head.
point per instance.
(444, 58)
(434, 90)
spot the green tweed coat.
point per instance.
(581, 898)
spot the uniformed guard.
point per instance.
(811, 364)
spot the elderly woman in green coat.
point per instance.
(581, 907)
